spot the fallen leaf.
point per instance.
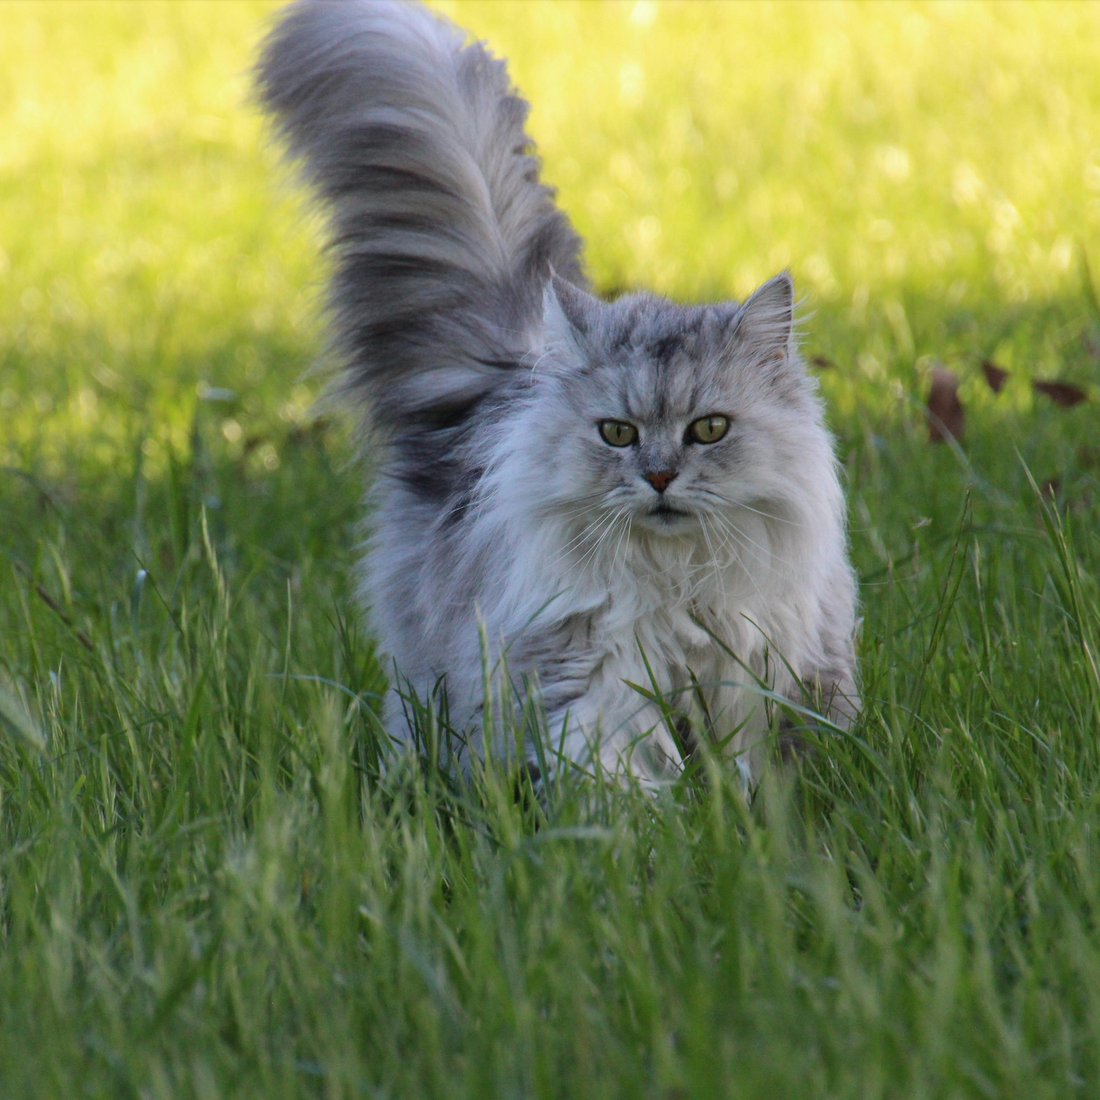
(823, 362)
(1063, 394)
(946, 417)
(307, 433)
(994, 375)
(1088, 457)
(1090, 286)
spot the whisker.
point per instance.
(751, 542)
(590, 528)
(718, 579)
(732, 533)
(597, 525)
(771, 515)
(621, 515)
(607, 528)
(622, 535)
(721, 498)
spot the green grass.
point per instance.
(207, 890)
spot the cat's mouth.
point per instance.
(667, 513)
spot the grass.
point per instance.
(206, 887)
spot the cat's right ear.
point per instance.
(568, 313)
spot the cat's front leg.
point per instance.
(833, 695)
(613, 728)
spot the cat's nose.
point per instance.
(659, 479)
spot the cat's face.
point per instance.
(676, 418)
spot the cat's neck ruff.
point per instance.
(705, 569)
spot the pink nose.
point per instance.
(659, 479)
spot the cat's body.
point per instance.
(591, 488)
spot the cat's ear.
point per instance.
(762, 331)
(567, 311)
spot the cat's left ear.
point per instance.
(762, 331)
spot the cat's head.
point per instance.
(671, 414)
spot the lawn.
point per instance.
(207, 886)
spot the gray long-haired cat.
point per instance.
(611, 494)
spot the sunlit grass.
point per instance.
(207, 889)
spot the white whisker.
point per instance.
(725, 520)
(605, 531)
(730, 503)
(622, 536)
(718, 578)
(733, 534)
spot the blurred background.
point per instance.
(929, 172)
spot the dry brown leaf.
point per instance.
(1063, 394)
(994, 375)
(310, 432)
(1088, 456)
(946, 416)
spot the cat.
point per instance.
(607, 495)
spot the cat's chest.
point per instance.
(672, 630)
(682, 602)
(672, 605)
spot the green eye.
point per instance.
(708, 429)
(618, 432)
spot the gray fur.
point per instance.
(485, 369)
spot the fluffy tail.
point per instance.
(443, 235)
